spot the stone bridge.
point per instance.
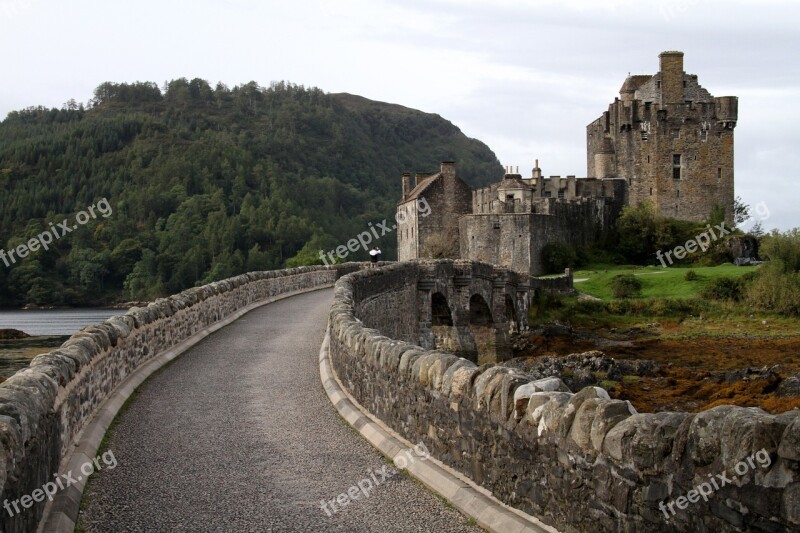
(219, 439)
(463, 307)
(471, 309)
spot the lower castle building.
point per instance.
(665, 140)
(506, 223)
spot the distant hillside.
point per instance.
(205, 183)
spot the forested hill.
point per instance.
(205, 183)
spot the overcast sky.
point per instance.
(526, 77)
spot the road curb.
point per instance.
(61, 515)
(469, 498)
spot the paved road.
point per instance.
(238, 435)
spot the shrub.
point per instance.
(658, 307)
(681, 306)
(609, 385)
(691, 275)
(626, 286)
(723, 288)
(783, 247)
(589, 307)
(543, 302)
(556, 256)
(773, 289)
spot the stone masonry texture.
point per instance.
(44, 407)
(582, 461)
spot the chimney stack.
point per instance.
(671, 77)
(448, 169)
(406, 183)
(537, 172)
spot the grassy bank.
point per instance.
(656, 282)
(670, 306)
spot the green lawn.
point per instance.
(657, 282)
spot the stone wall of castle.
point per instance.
(516, 240)
(581, 462)
(44, 407)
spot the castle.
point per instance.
(665, 140)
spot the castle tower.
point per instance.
(671, 141)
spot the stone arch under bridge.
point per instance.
(471, 309)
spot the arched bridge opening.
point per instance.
(445, 335)
(482, 328)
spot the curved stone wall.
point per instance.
(44, 407)
(581, 462)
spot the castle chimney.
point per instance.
(448, 169)
(406, 183)
(537, 172)
(671, 77)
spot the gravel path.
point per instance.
(238, 435)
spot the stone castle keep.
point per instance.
(665, 140)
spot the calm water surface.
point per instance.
(55, 321)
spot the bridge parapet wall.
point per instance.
(581, 462)
(44, 407)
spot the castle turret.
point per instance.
(727, 111)
(627, 90)
(604, 160)
(671, 77)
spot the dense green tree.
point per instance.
(205, 183)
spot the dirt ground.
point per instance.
(695, 374)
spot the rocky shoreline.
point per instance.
(12, 334)
(17, 349)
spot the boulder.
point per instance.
(789, 387)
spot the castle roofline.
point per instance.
(420, 188)
(513, 180)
